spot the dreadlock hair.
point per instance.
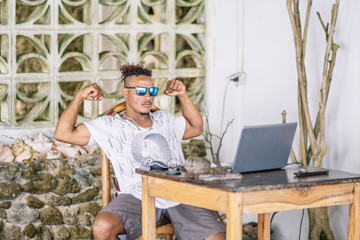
(129, 70)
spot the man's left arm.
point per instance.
(193, 119)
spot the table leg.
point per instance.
(263, 226)
(354, 215)
(234, 215)
(148, 212)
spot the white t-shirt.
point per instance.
(129, 147)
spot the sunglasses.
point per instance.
(141, 91)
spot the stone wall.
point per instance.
(50, 199)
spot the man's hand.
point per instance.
(175, 88)
(91, 92)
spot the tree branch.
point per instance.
(323, 25)
(324, 87)
(307, 19)
(295, 23)
(208, 137)
(292, 154)
(217, 162)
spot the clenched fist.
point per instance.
(175, 88)
(91, 92)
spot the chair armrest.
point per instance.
(105, 179)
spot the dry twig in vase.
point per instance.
(209, 138)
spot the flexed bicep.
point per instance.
(66, 131)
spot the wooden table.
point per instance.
(260, 193)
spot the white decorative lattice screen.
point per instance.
(51, 49)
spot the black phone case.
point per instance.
(311, 173)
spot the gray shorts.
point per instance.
(189, 223)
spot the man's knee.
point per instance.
(217, 236)
(101, 225)
(107, 226)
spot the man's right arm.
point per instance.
(66, 131)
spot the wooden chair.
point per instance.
(162, 226)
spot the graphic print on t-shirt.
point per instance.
(148, 146)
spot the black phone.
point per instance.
(172, 172)
(308, 173)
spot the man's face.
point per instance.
(135, 103)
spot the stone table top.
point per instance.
(266, 180)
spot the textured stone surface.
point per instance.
(2, 214)
(253, 233)
(53, 200)
(84, 220)
(97, 183)
(50, 165)
(92, 208)
(9, 190)
(67, 184)
(51, 216)
(44, 233)
(86, 196)
(96, 171)
(33, 202)
(74, 232)
(77, 233)
(20, 213)
(83, 177)
(13, 233)
(60, 233)
(30, 231)
(5, 205)
(85, 233)
(31, 172)
(63, 170)
(31, 208)
(70, 214)
(46, 184)
(195, 148)
(89, 159)
(9, 171)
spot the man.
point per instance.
(133, 140)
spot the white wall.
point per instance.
(271, 84)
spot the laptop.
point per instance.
(264, 147)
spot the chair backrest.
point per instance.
(105, 165)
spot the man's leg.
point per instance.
(121, 215)
(194, 223)
(107, 226)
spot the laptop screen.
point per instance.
(264, 147)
